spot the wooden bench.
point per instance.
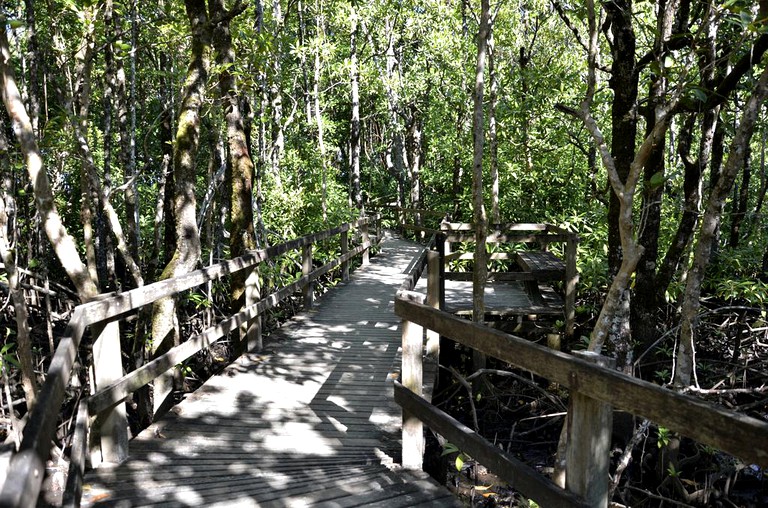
(544, 266)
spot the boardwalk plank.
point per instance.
(309, 421)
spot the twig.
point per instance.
(468, 386)
(626, 456)
(658, 497)
(15, 430)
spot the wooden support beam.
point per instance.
(112, 432)
(412, 375)
(252, 340)
(344, 239)
(571, 280)
(366, 240)
(590, 423)
(74, 488)
(306, 269)
(433, 300)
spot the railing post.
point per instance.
(571, 279)
(440, 246)
(433, 300)
(589, 440)
(252, 330)
(306, 269)
(413, 432)
(344, 251)
(111, 427)
(365, 239)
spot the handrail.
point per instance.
(594, 389)
(26, 470)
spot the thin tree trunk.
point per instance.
(458, 167)
(261, 158)
(303, 61)
(318, 111)
(354, 133)
(126, 123)
(741, 204)
(278, 128)
(480, 272)
(8, 256)
(493, 142)
(685, 366)
(34, 61)
(105, 253)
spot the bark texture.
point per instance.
(165, 331)
(242, 235)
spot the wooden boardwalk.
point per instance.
(501, 299)
(309, 421)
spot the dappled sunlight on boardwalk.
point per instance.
(310, 420)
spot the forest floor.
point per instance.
(523, 415)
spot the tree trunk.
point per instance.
(685, 367)
(318, 111)
(458, 167)
(35, 64)
(242, 236)
(278, 131)
(125, 107)
(624, 83)
(741, 204)
(261, 158)
(354, 132)
(63, 244)
(414, 137)
(8, 256)
(644, 304)
(480, 272)
(165, 331)
(493, 142)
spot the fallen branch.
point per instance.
(725, 391)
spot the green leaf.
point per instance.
(15, 23)
(657, 180)
(668, 61)
(459, 462)
(449, 448)
(699, 93)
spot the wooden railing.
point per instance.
(540, 236)
(596, 389)
(105, 407)
(417, 222)
(446, 235)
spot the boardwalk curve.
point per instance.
(309, 421)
